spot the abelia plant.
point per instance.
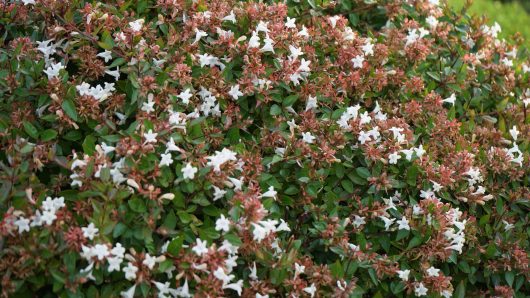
(178, 148)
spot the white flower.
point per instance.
(27, 2)
(164, 289)
(129, 293)
(200, 248)
(166, 159)
(106, 148)
(90, 232)
(114, 263)
(403, 224)
(171, 146)
(264, 228)
(100, 251)
(198, 35)
(419, 151)
(365, 118)
(185, 96)
(230, 18)
(420, 290)
(368, 48)
(149, 106)
(283, 226)
(311, 103)
(150, 136)
(295, 52)
(238, 287)
(298, 269)
(514, 133)
(358, 221)
(393, 158)
(221, 275)
(358, 61)
(188, 172)
(269, 45)
(253, 272)
(167, 196)
(99, 92)
(412, 37)
(290, 23)
(433, 272)
(432, 21)
(220, 158)
(333, 21)
(270, 193)
(234, 92)
(254, 40)
(137, 25)
(451, 99)
(106, 55)
(149, 261)
(236, 183)
(53, 70)
(262, 27)
(507, 62)
(22, 224)
(403, 274)
(507, 226)
(388, 221)
(218, 193)
(408, 153)
(307, 137)
(303, 32)
(396, 131)
(311, 290)
(416, 210)
(349, 114)
(114, 73)
(130, 271)
(184, 291)
(222, 224)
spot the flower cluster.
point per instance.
(262, 149)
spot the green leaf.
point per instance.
(119, 229)
(434, 75)
(48, 134)
(415, 242)
(233, 239)
(460, 291)
(89, 145)
(412, 174)
(363, 172)
(184, 216)
(171, 221)
(137, 205)
(69, 108)
(175, 245)
(58, 276)
(30, 129)
(290, 100)
(275, 110)
(510, 277)
(347, 185)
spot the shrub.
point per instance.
(218, 148)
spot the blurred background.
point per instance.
(512, 15)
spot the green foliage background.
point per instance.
(512, 16)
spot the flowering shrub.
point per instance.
(179, 148)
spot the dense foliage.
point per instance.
(179, 148)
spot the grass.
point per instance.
(511, 16)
